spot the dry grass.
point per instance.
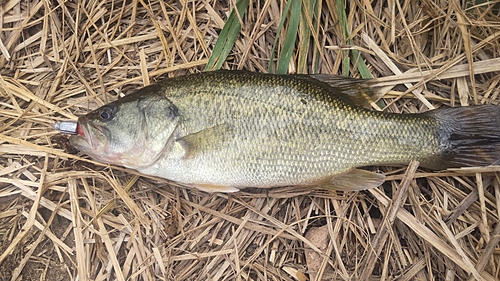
(63, 217)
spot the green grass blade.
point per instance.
(227, 37)
(308, 14)
(278, 32)
(344, 28)
(346, 62)
(361, 65)
(290, 37)
(317, 50)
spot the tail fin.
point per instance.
(469, 136)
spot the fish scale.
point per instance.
(225, 130)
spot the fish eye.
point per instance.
(106, 113)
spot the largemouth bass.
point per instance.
(226, 130)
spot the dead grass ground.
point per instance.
(63, 217)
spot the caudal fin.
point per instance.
(469, 136)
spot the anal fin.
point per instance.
(211, 188)
(355, 179)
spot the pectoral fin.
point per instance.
(355, 179)
(208, 139)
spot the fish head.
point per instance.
(133, 131)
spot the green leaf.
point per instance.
(360, 63)
(227, 37)
(290, 36)
(306, 23)
(346, 61)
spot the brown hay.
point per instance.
(64, 217)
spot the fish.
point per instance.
(223, 131)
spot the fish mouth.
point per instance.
(84, 137)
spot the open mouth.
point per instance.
(83, 132)
(80, 131)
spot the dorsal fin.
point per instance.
(358, 91)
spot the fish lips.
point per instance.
(87, 141)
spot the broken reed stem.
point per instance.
(380, 238)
